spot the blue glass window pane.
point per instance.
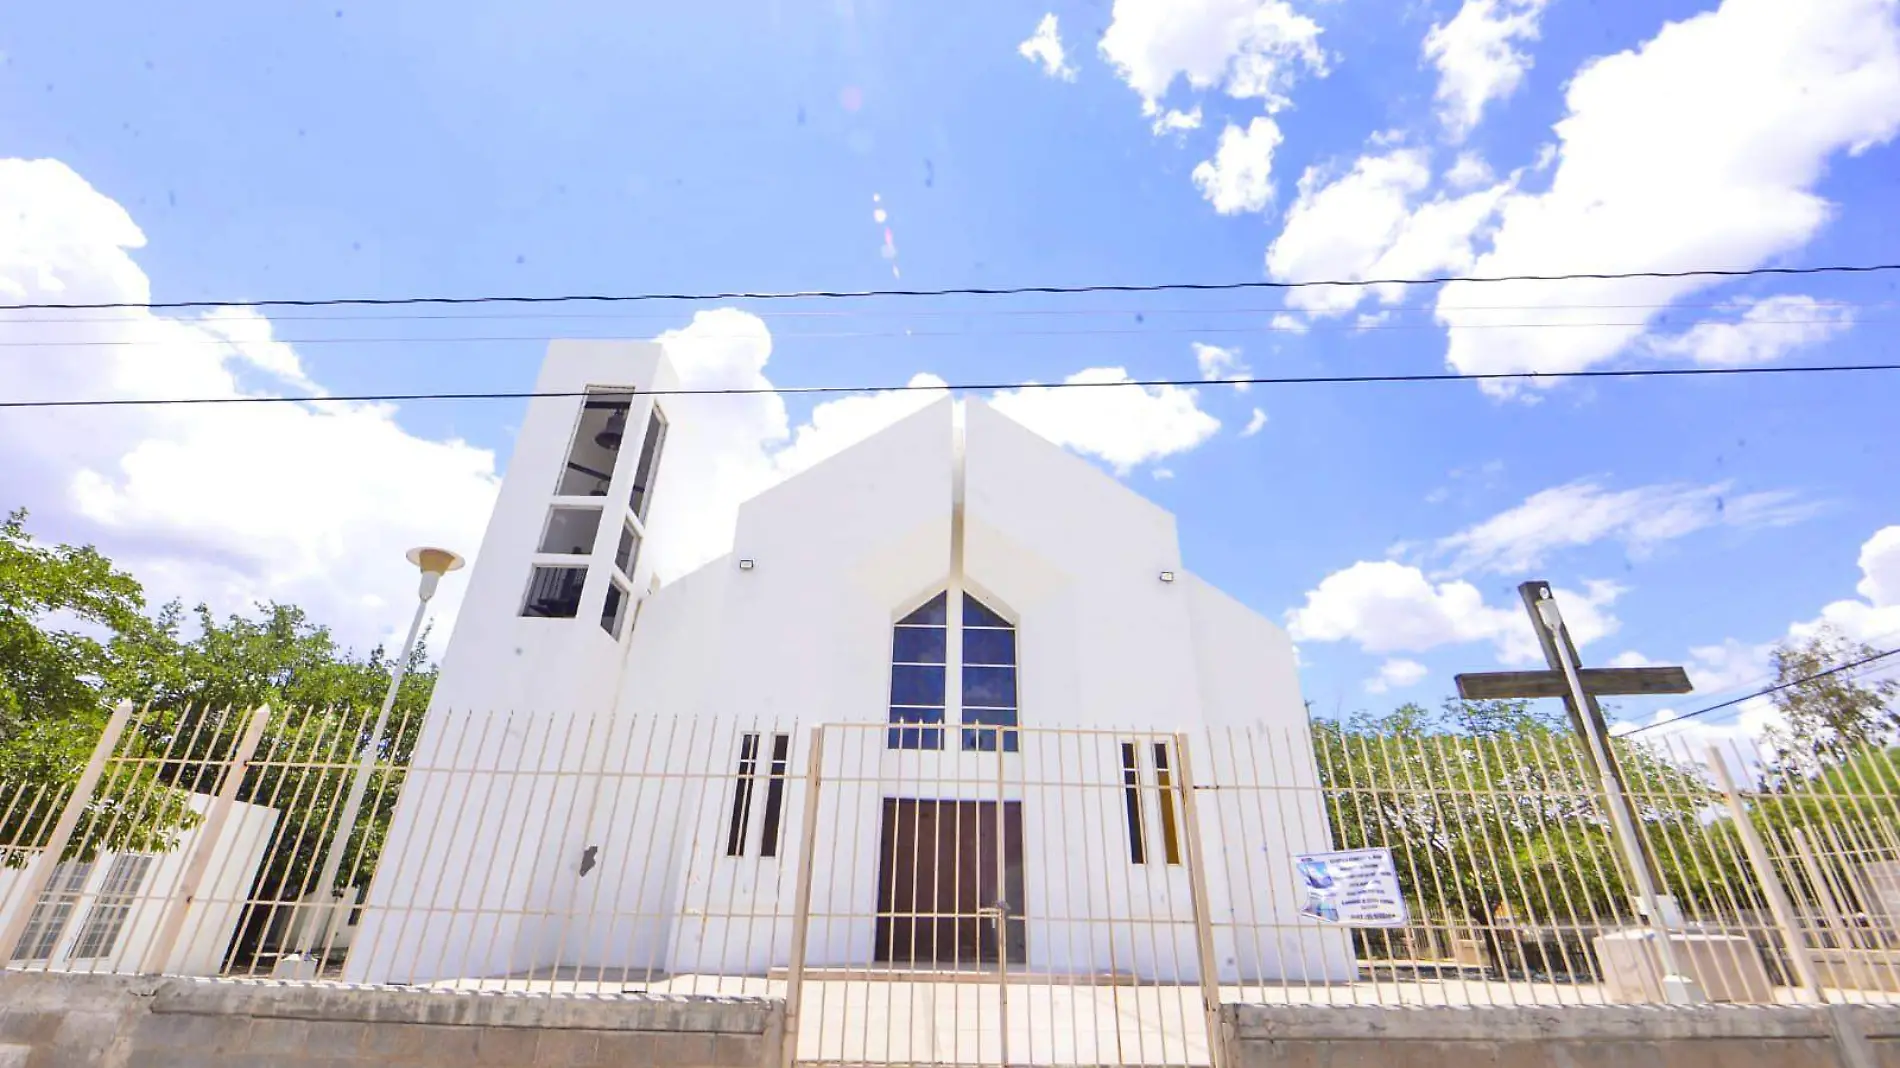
(990, 647)
(917, 645)
(976, 615)
(935, 611)
(989, 687)
(913, 684)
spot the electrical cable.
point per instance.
(740, 391)
(1351, 328)
(1761, 693)
(962, 291)
(928, 313)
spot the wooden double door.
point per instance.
(938, 887)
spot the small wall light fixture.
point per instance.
(747, 564)
(1167, 576)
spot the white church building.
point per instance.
(991, 631)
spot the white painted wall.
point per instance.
(632, 750)
(479, 845)
(209, 924)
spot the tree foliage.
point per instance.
(74, 639)
(1495, 817)
(1826, 720)
(62, 609)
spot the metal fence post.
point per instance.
(207, 839)
(1849, 1043)
(1771, 888)
(1203, 918)
(41, 871)
(801, 903)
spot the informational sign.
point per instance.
(1352, 888)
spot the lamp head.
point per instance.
(434, 563)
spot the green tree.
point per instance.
(56, 602)
(1495, 820)
(1825, 720)
(74, 639)
(324, 701)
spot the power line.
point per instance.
(961, 291)
(1762, 693)
(925, 313)
(1350, 328)
(740, 391)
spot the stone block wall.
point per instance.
(1572, 1036)
(110, 1021)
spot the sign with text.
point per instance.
(1352, 888)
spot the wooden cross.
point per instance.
(1607, 682)
(1492, 685)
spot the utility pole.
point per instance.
(1579, 688)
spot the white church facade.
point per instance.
(1011, 666)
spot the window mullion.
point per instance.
(953, 654)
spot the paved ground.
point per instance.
(880, 1019)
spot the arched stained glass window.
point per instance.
(921, 694)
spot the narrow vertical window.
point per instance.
(775, 795)
(53, 910)
(989, 679)
(1164, 791)
(742, 795)
(628, 550)
(919, 643)
(596, 446)
(105, 920)
(1131, 799)
(649, 466)
(613, 611)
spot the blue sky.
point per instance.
(487, 148)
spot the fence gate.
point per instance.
(981, 895)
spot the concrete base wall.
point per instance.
(1710, 1036)
(56, 1021)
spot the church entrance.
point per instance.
(938, 885)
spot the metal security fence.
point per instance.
(989, 895)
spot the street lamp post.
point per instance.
(433, 563)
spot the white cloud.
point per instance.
(226, 504)
(1874, 616)
(1217, 363)
(1248, 48)
(1583, 512)
(1162, 474)
(1240, 176)
(1730, 665)
(1367, 224)
(1044, 47)
(1175, 121)
(1478, 59)
(1255, 423)
(1396, 674)
(1765, 331)
(1630, 658)
(1123, 425)
(1469, 171)
(1701, 148)
(1388, 607)
(1289, 324)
